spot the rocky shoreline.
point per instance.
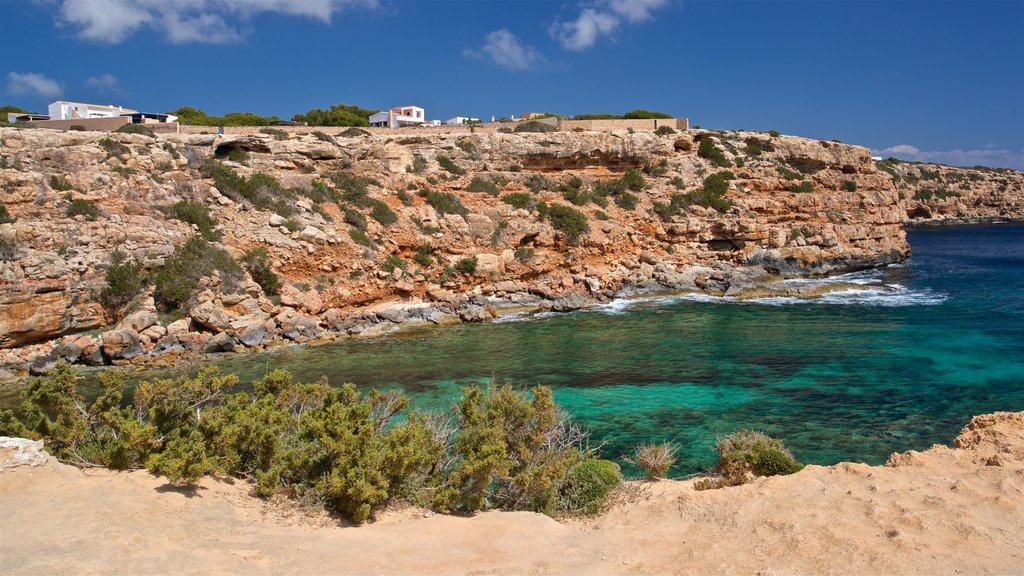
(370, 233)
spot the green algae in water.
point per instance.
(854, 377)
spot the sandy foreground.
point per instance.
(942, 511)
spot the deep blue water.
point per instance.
(902, 364)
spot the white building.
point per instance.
(460, 120)
(401, 116)
(61, 110)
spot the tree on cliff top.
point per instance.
(337, 115)
(196, 117)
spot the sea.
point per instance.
(901, 360)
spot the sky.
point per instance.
(939, 81)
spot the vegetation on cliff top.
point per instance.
(352, 452)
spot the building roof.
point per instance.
(117, 108)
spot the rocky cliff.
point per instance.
(366, 232)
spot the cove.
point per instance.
(902, 364)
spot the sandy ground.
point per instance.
(942, 511)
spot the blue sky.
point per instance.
(935, 81)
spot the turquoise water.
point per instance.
(901, 364)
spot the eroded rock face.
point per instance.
(385, 251)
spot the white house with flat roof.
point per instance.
(62, 110)
(400, 116)
(460, 120)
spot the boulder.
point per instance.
(300, 328)
(68, 351)
(475, 313)
(571, 300)
(489, 264)
(43, 364)
(179, 326)
(138, 321)
(253, 335)
(222, 342)
(212, 316)
(121, 344)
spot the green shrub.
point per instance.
(639, 114)
(419, 164)
(360, 237)
(712, 153)
(323, 137)
(570, 222)
(337, 115)
(536, 183)
(257, 263)
(136, 129)
(789, 174)
(447, 164)
(113, 148)
(534, 126)
(424, 256)
(59, 183)
(484, 185)
(392, 262)
(466, 265)
(802, 186)
(752, 149)
(238, 155)
(849, 186)
(656, 459)
(82, 207)
(524, 254)
(125, 278)
(263, 191)
(626, 201)
(8, 249)
(747, 451)
(197, 214)
(277, 133)
(511, 452)
(5, 217)
(382, 213)
(76, 128)
(664, 131)
(656, 169)
(444, 203)
(518, 200)
(292, 225)
(178, 279)
(405, 198)
(355, 218)
(774, 133)
(932, 193)
(586, 486)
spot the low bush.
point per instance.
(656, 459)
(355, 218)
(277, 133)
(360, 237)
(257, 262)
(113, 148)
(59, 183)
(178, 279)
(419, 164)
(392, 262)
(125, 278)
(626, 200)
(136, 129)
(8, 249)
(518, 200)
(570, 222)
(749, 451)
(535, 126)
(447, 164)
(523, 254)
(197, 214)
(424, 256)
(353, 132)
(76, 128)
(5, 216)
(664, 131)
(802, 186)
(712, 153)
(382, 213)
(774, 133)
(849, 186)
(466, 265)
(752, 149)
(444, 203)
(263, 191)
(405, 198)
(586, 485)
(656, 169)
(478, 184)
(934, 194)
(82, 207)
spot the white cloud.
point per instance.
(32, 84)
(505, 49)
(602, 18)
(989, 156)
(107, 83)
(181, 21)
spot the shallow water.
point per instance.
(900, 363)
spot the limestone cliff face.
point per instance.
(942, 194)
(793, 206)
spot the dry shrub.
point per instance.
(656, 459)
